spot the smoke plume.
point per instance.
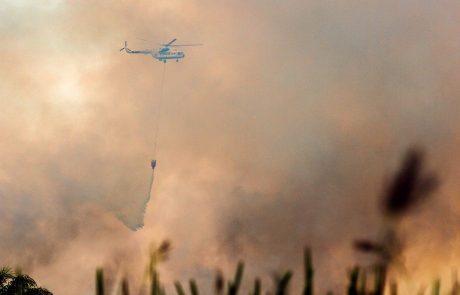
(279, 132)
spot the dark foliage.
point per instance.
(194, 287)
(282, 283)
(219, 283)
(308, 272)
(125, 287)
(179, 288)
(16, 283)
(410, 185)
(235, 285)
(99, 281)
(367, 246)
(257, 287)
(353, 282)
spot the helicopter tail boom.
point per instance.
(125, 48)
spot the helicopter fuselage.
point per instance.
(164, 54)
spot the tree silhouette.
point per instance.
(16, 283)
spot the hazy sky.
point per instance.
(279, 132)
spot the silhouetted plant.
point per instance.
(455, 285)
(157, 255)
(308, 272)
(363, 285)
(6, 275)
(436, 288)
(219, 283)
(235, 284)
(282, 283)
(124, 287)
(99, 281)
(353, 282)
(409, 186)
(16, 283)
(194, 287)
(257, 287)
(380, 278)
(155, 288)
(179, 288)
(393, 288)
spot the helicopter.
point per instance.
(167, 51)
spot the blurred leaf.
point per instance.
(409, 186)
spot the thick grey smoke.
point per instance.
(277, 133)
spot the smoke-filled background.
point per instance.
(279, 132)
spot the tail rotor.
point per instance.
(124, 48)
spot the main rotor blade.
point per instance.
(171, 42)
(182, 45)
